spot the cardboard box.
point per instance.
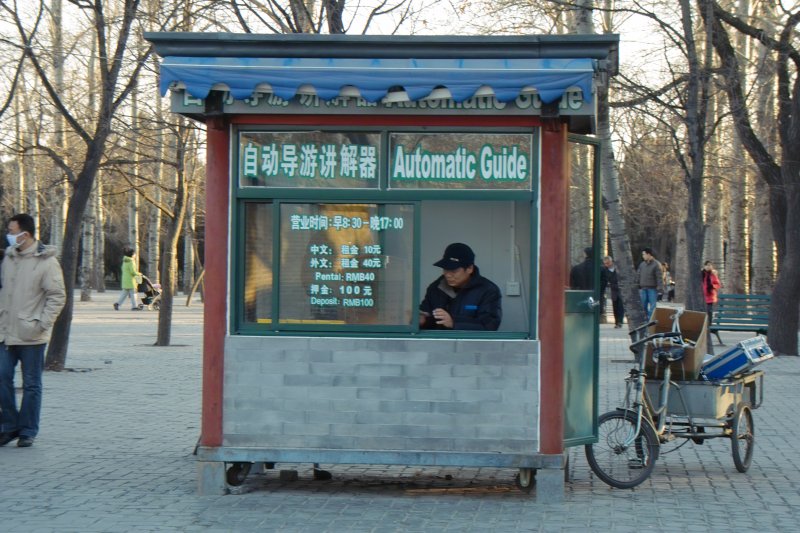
(694, 327)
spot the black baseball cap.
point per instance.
(456, 255)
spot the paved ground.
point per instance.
(115, 454)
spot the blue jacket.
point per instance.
(475, 306)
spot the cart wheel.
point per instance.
(699, 440)
(320, 474)
(156, 306)
(525, 479)
(742, 438)
(237, 473)
(619, 459)
(141, 306)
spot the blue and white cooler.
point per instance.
(736, 360)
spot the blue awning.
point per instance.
(374, 78)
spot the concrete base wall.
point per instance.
(382, 394)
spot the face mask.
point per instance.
(12, 239)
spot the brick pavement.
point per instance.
(115, 454)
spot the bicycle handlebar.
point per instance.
(649, 338)
(643, 326)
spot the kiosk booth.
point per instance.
(338, 170)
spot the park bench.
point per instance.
(741, 312)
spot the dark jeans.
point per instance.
(710, 313)
(619, 309)
(31, 359)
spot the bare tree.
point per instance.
(118, 72)
(326, 16)
(782, 175)
(169, 259)
(763, 265)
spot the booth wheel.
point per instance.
(237, 473)
(525, 479)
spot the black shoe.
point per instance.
(5, 438)
(617, 325)
(25, 442)
(116, 307)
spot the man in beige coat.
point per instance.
(31, 297)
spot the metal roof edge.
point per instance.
(188, 44)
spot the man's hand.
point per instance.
(423, 317)
(443, 318)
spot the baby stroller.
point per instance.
(152, 294)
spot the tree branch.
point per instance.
(40, 71)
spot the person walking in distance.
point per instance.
(711, 286)
(129, 281)
(31, 298)
(609, 279)
(651, 281)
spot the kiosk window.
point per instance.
(258, 263)
(339, 265)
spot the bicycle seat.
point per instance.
(668, 355)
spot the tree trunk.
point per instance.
(169, 262)
(714, 205)
(98, 274)
(680, 265)
(19, 199)
(736, 267)
(612, 203)
(133, 195)
(87, 253)
(58, 193)
(784, 313)
(59, 340)
(696, 113)
(154, 222)
(188, 243)
(763, 251)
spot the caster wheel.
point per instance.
(322, 475)
(525, 479)
(237, 473)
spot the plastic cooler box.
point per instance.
(738, 359)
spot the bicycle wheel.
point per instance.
(621, 466)
(742, 438)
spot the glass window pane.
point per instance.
(258, 263)
(581, 217)
(347, 264)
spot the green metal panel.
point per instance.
(581, 332)
(580, 369)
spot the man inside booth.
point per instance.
(460, 298)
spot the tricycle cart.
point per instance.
(657, 412)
